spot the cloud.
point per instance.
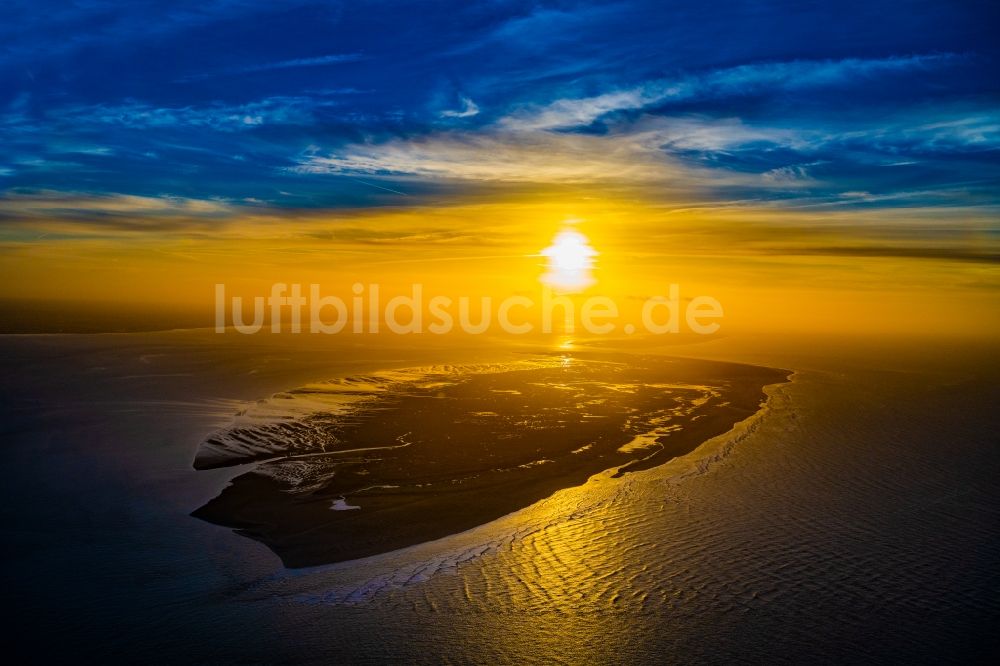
(718, 84)
(792, 174)
(506, 157)
(469, 109)
(705, 134)
(642, 141)
(685, 158)
(908, 252)
(945, 133)
(918, 131)
(331, 59)
(639, 152)
(281, 110)
(60, 212)
(538, 31)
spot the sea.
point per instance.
(854, 519)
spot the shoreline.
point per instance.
(464, 471)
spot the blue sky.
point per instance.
(213, 107)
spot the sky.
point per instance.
(148, 149)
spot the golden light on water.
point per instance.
(570, 262)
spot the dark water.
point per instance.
(856, 521)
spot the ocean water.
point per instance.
(854, 520)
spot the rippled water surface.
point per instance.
(854, 520)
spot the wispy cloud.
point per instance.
(792, 174)
(626, 159)
(219, 116)
(87, 213)
(718, 84)
(317, 61)
(529, 144)
(485, 157)
(469, 109)
(661, 154)
(964, 254)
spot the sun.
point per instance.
(570, 261)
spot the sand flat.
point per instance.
(428, 452)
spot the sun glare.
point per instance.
(570, 261)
